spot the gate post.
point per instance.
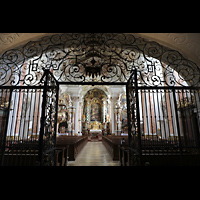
(129, 87)
(138, 117)
(42, 119)
(47, 137)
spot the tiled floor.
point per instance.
(94, 154)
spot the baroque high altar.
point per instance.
(89, 109)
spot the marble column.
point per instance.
(104, 110)
(76, 122)
(80, 113)
(113, 100)
(118, 125)
(70, 122)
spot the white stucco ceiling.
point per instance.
(188, 44)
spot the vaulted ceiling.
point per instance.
(188, 44)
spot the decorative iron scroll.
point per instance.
(49, 120)
(133, 119)
(97, 57)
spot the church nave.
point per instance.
(94, 154)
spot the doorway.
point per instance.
(94, 107)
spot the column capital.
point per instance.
(113, 99)
(75, 98)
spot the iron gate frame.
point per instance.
(133, 113)
(120, 55)
(45, 148)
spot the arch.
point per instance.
(96, 57)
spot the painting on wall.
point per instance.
(124, 121)
(95, 113)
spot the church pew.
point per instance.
(62, 155)
(74, 143)
(24, 157)
(21, 158)
(112, 144)
(161, 153)
(123, 156)
(26, 153)
(149, 148)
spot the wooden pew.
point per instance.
(25, 153)
(112, 144)
(124, 156)
(74, 145)
(62, 155)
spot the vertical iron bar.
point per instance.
(162, 109)
(42, 122)
(21, 116)
(25, 114)
(174, 124)
(5, 130)
(143, 115)
(128, 118)
(155, 119)
(159, 115)
(167, 108)
(189, 122)
(138, 117)
(185, 113)
(197, 116)
(178, 127)
(147, 114)
(33, 117)
(56, 118)
(151, 114)
(29, 119)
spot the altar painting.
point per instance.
(124, 121)
(95, 113)
(124, 114)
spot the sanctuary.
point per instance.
(92, 110)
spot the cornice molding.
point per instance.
(9, 38)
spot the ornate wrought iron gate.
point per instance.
(162, 95)
(28, 123)
(164, 124)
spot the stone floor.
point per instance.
(94, 154)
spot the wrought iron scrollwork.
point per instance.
(49, 118)
(97, 57)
